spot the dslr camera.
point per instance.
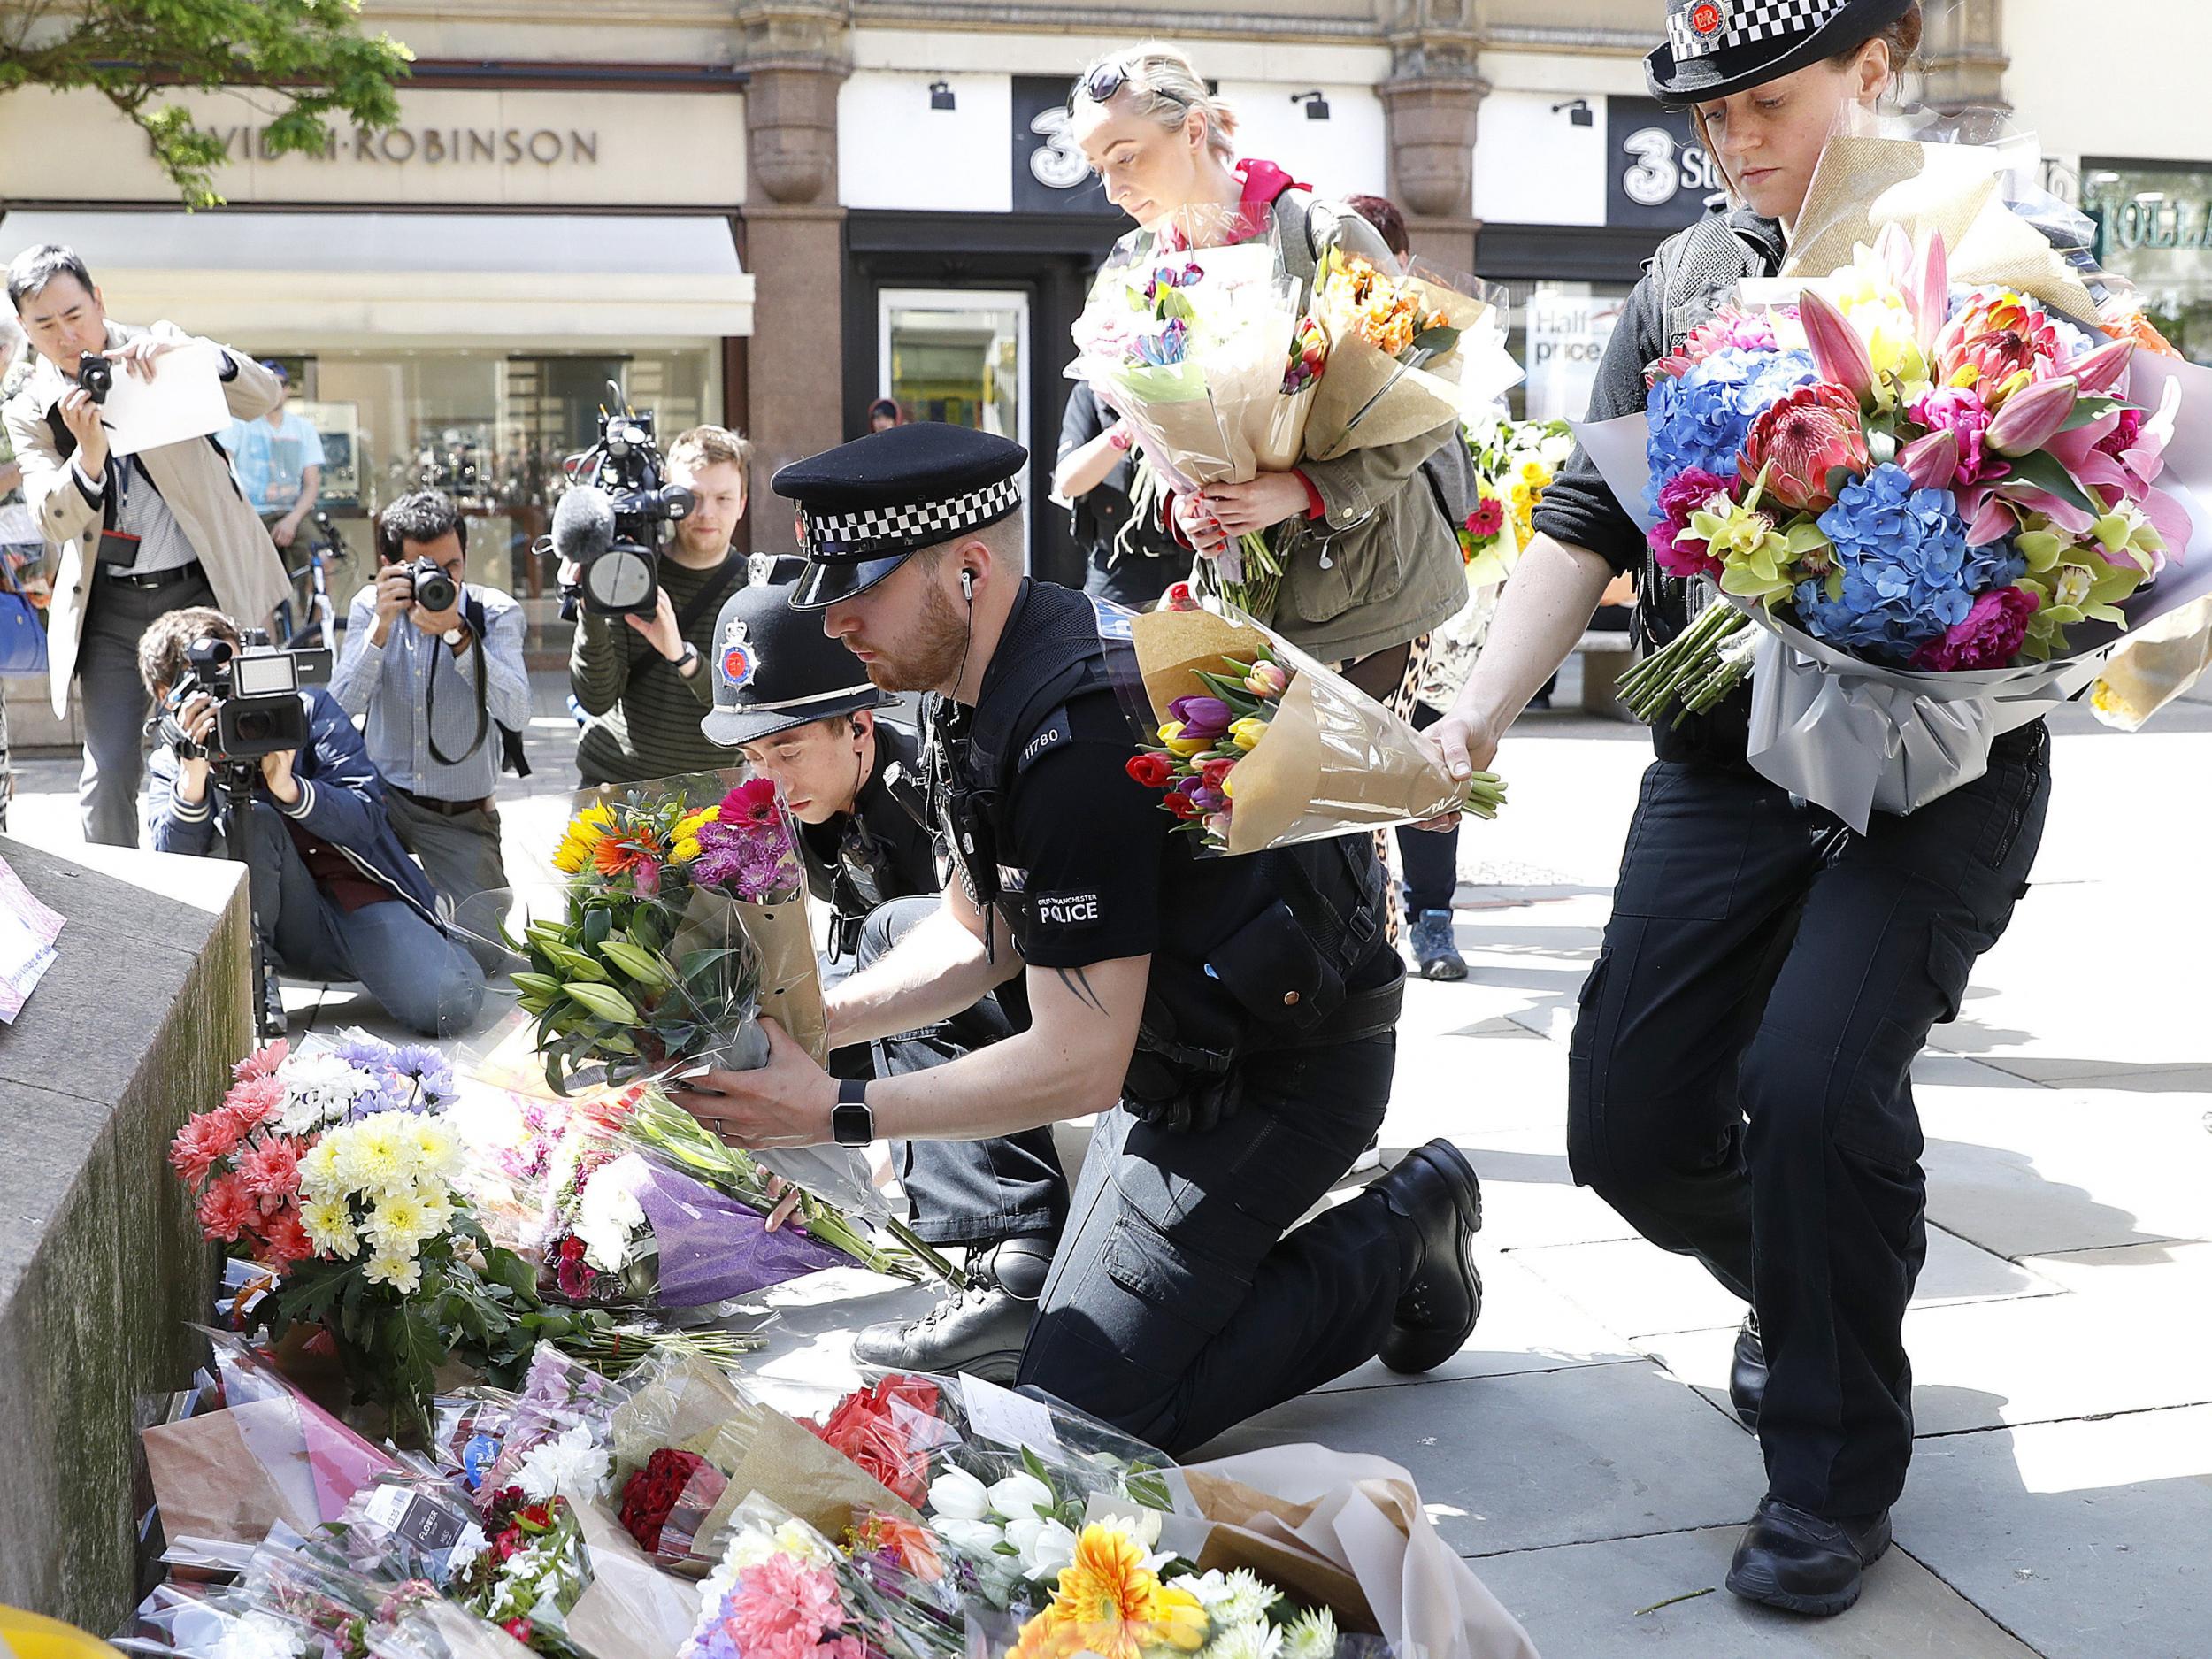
(613, 523)
(435, 590)
(96, 374)
(256, 690)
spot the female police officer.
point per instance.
(1233, 1021)
(1762, 962)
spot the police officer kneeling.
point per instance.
(1233, 1020)
(802, 711)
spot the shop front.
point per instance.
(2153, 223)
(454, 298)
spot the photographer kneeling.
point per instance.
(334, 895)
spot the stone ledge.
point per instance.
(134, 1026)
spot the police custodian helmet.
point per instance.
(774, 668)
(1717, 48)
(865, 507)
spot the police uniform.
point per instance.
(1184, 1297)
(1740, 1082)
(1003, 1199)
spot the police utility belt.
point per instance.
(1276, 982)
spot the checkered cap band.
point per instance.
(875, 531)
(1741, 23)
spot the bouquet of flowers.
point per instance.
(1254, 744)
(1395, 364)
(1515, 462)
(682, 922)
(1938, 494)
(531, 1573)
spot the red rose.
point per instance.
(874, 1427)
(1152, 770)
(653, 1494)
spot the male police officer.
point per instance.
(1233, 1021)
(802, 711)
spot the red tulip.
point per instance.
(1842, 356)
(2031, 417)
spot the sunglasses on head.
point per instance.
(1099, 85)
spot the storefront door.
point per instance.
(960, 356)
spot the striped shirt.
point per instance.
(141, 512)
(645, 716)
(394, 685)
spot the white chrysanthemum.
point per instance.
(796, 1537)
(608, 1220)
(1254, 1639)
(1311, 1635)
(402, 1273)
(328, 1223)
(319, 1089)
(319, 1176)
(1235, 1597)
(399, 1223)
(257, 1636)
(569, 1465)
(437, 1150)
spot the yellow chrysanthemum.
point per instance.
(690, 824)
(685, 850)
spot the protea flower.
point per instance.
(1998, 344)
(1801, 440)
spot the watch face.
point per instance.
(852, 1124)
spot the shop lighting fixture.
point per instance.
(1317, 106)
(1578, 111)
(941, 96)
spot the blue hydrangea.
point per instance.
(1703, 418)
(1908, 573)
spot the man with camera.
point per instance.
(140, 536)
(334, 894)
(643, 680)
(278, 460)
(434, 663)
(804, 713)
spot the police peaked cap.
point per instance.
(1717, 48)
(867, 506)
(774, 668)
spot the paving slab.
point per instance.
(1525, 1326)
(1528, 1192)
(1590, 1602)
(2154, 1276)
(1497, 1075)
(2087, 1539)
(1523, 1462)
(2024, 1173)
(1637, 1289)
(2037, 1359)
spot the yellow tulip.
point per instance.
(1246, 734)
(1171, 734)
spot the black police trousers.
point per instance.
(969, 1193)
(1181, 1300)
(1740, 1079)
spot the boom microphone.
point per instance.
(583, 525)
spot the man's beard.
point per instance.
(708, 544)
(939, 653)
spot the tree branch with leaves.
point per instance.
(312, 54)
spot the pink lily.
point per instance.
(1930, 461)
(1842, 356)
(2031, 417)
(2063, 514)
(1989, 520)
(1928, 290)
(2105, 369)
(1893, 246)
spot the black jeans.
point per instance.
(1178, 1304)
(1430, 859)
(1739, 1081)
(968, 1193)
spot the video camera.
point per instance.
(256, 690)
(611, 524)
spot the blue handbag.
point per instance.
(22, 630)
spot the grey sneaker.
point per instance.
(1435, 953)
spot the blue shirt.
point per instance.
(401, 684)
(271, 461)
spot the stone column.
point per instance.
(1429, 105)
(797, 59)
(1962, 57)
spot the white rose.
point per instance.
(1019, 1495)
(971, 1537)
(957, 1495)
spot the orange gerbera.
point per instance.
(1113, 1605)
(619, 853)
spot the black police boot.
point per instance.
(1747, 1373)
(979, 1330)
(1436, 1189)
(1434, 952)
(1803, 1563)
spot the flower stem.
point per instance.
(1685, 662)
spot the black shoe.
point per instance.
(1747, 1373)
(979, 1330)
(1436, 1189)
(1803, 1564)
(1435, 953)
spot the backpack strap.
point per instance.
(1695, 268)
(718, 592)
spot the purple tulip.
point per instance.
(1208, 799)
(1201, 717)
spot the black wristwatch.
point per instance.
(851, 1123)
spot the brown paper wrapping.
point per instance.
(1254, 1530)
(1413, 401)
(790, 981)
(2154, 665)
(1174, 647)
(1862, 184)
(1325, 767)
(631, 1609)
(209, 1482)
